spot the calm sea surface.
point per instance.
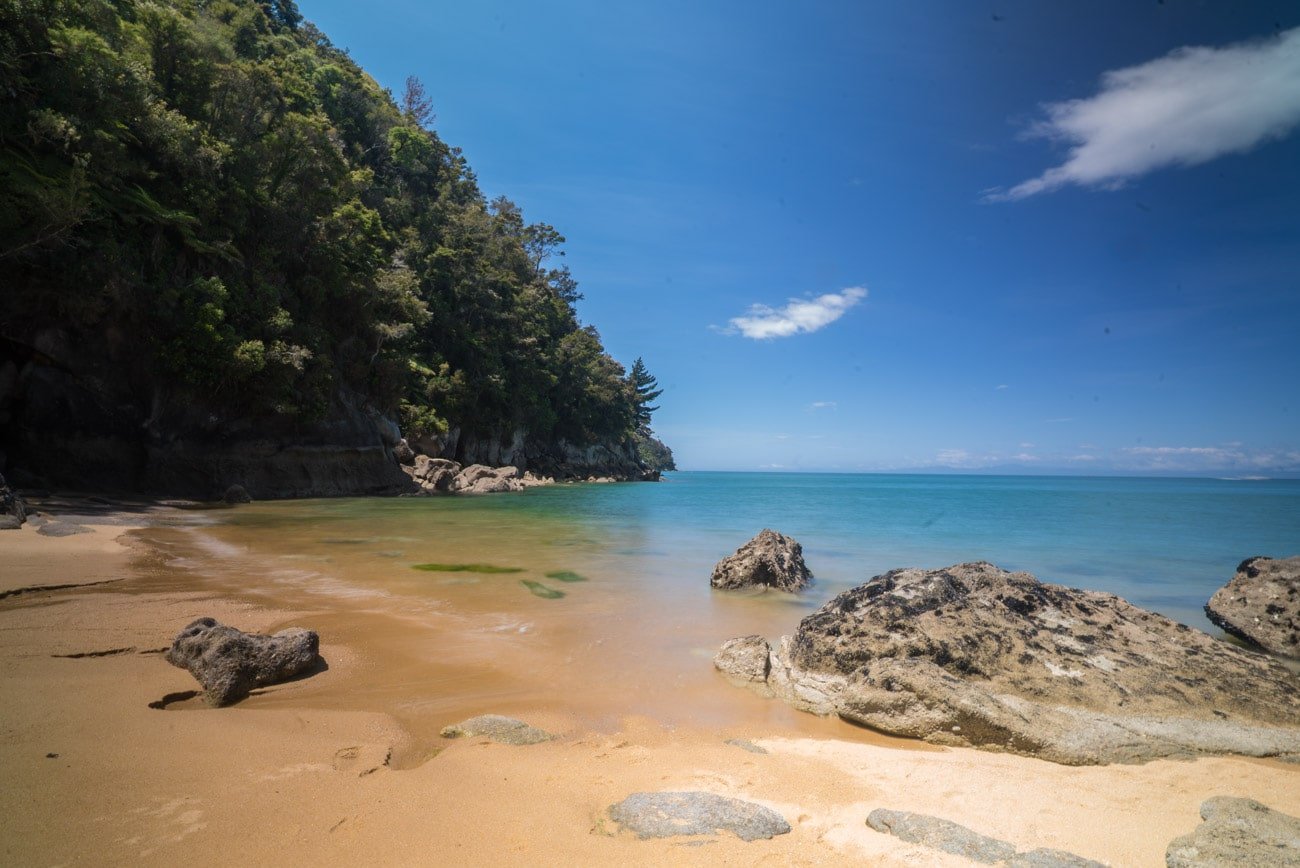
(636, 635)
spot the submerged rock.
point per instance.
(1262, 604)
(504, 730)
(771, 560)
(975, 655)
(669, 815)
(1237, 833)
(229, 663)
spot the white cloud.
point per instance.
(1025, 456)
(1204, 458)
(1186, 108)
(801, 315)
(1001, 386)
(1026, 445)
(822, 405)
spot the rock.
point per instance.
(974, 655)
(472, 474)
(403, 452)
(236, 494)
(505, 730)
(229, 662)
(426, 467)
(744, 659)
(953, 838)
(668, 815)
(746, 745)
(62, 528)
(770, 559)
(13, 509)
(1262, 604)
(941, 835)
(492, 485)
(1240, 833)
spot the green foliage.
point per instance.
(219, 181)
(652, 451)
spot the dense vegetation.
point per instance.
(229, 204)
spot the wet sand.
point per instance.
(347, 766)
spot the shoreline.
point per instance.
(285, 777)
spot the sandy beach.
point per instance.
(97, 773)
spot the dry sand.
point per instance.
(94, 775)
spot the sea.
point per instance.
(592, 601)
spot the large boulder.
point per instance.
(229, 663)
(1237, 833)
(769, 560)
(975, 655)
(1262, 604)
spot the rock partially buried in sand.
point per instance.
(1262, 604)
(1237, 832)
(229, 662)
(974, 655)
(950, 837)
(669, 815)
(769, 560)
(504, 730)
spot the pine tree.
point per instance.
(644, 390)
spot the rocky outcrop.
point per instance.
(504, 730)
(442, 475)
(13, 509)
(670, 815)
(1237, 833)
(940, 834)
(558, 459)
(769, 560)
(1262, 604)
(229, 663)
(975, 655)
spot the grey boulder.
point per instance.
(13, 509)
(769, 560)
(977, 656)
(672, 814)
(229, 663)
(1237, 833)
(1262, 604)
(950, 837)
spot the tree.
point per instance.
(416, 104)
(643, 386)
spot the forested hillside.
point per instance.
(208, 213)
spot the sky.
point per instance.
(1000, 237)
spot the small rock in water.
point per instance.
(668, 815)
(769, 560)
(1262, 604)
(1237, 832)
(566, 576)
(229, 662)
(746, 744)
(504, 730)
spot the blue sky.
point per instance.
(1036, 237)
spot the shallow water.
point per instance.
(487, 630)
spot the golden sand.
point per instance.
(323, 770)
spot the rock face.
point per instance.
(770, 560)
(974, 655)
(505, 730)
(1237, 833)
(668, 815)
(229, 662)
(13, 509)
(953, 838)
(1262, 604)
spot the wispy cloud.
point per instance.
(800, 316)
(1203, 458)
(822, 405)
(1186, 108)
(1001, 386)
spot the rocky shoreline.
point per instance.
(977, 656)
